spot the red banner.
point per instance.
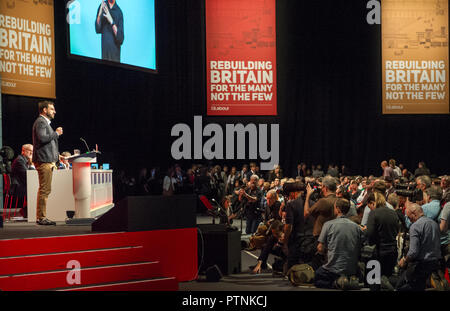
(241, 57)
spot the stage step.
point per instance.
(88, 276)
(47, 245)
(144, 260)
(157, 284)
(58, 261)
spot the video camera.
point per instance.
(6, 155)
(290, 187)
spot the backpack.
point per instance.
(257, 240)
(301, 274)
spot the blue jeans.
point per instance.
(324, 278)
(252, 223)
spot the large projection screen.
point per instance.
(128, 39)
(415, 56)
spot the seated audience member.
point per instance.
(181, 179)
(169, 183)
(362, 199)
(276, 173)
(18, 175)
(424, 252)
(382, 228)
(298, 171)
(354, 191)
(244, 172)
(421, 170)
(445, 186)
(298, 230)
(142, 182)
(252, 170)
(231, 180)
(341, 239)
(260, 185)
(273, 245)
(63, 162)
(276, 184)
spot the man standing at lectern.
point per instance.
(45, 155)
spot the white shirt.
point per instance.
(46, 119)
(166, 183)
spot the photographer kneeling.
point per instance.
(424, 251)
(274, 245)
(341, 239)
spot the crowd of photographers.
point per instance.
(339, 226)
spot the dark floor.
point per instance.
(22, 230)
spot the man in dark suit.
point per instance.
(19, 169)
(45, 155)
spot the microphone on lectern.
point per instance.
(81, 138)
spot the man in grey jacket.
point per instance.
(424, 250)
(45, 155)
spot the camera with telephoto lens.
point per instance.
(289, 187)
(409, 191)
(6, 156)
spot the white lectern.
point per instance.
(81, 172)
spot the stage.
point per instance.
(24, 230)
(34, 257)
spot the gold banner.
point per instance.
(27, 48)
(415, 56)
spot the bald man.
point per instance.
(19, 169)
(424, 250)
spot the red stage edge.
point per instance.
(124, 261)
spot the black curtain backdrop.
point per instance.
(329, 94)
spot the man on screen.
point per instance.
(109, 23)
